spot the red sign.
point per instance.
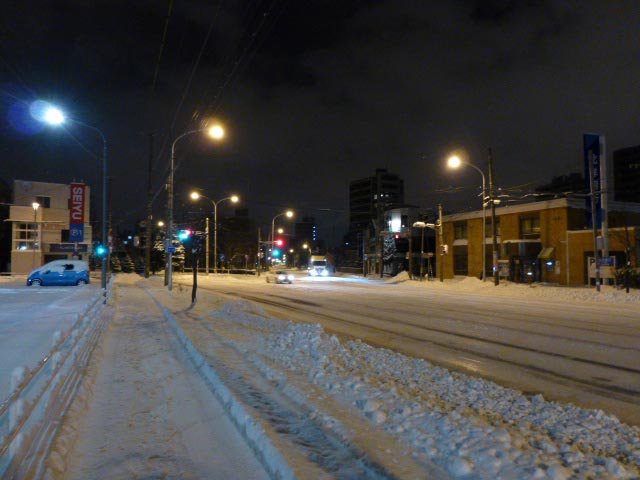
(76, 204)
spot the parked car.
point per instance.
(279, 276)
(60, 272)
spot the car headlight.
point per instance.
(313, 272)
(290, 278)
(325, 273)
(281, 277)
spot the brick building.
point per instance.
(545, 241)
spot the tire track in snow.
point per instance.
(293, 422)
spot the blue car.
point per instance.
(60, 272)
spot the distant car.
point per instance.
(279, 277)
(60, 272)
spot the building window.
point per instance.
(26, 237)
(530, 227)
(460, 230)
(45, 202)
(460, 260)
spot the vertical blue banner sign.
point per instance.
(592, 155)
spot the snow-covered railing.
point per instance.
(40, 397)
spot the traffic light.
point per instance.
(184, 235)
(402, 244)
(279, 242)
(100, 250)
(276, 252)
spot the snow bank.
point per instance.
(608, 293)
(471, 427)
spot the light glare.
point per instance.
(454, 161)
(53, 116)
(217, 132)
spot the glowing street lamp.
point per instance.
(217, 133)
(54, 116)
(233, 199)
(455, 162)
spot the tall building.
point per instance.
(306, 231)
(370, 197)
(626, 174)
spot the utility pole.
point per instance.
(496, 272)
(441, 236)
(206, 257)
(148, 236)
(594, 221)
(259, 256)
(411, 257)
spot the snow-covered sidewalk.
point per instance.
(144, 412)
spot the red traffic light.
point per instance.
(279, 242)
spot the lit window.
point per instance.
(26, 236)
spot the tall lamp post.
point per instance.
(35, 206)
(55, 116)
(233, 199)
(288, 214)
(217, 133)
(455, 162)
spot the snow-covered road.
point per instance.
(584, 352)
(333, 407)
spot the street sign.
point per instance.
(171, 249)
(607, 267)
(76, 232)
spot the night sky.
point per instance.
(314, 94)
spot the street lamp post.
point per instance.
(233, 199)
(217, 132)
(35, 206)
(55, 116)
(288, 214)
(454, 162)
(422, 226)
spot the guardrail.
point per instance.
(29, 417)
